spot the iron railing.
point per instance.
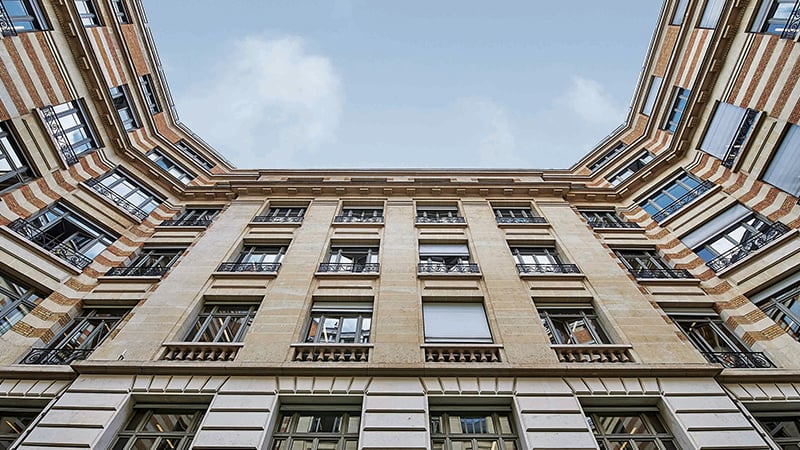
(116, 198)
(58, 134)
(661, 273)
(747, 247)
(350, 267)
(56, 356)
(608, 223)
(547, 268)
(188, 222)
(248, 267)
(447, 268)
(792, 23)
(278, 219)
(138, 271)
(735, 147)
(441, 219)
(530, 219)
(739, 360)
(358, 219)
(6, 24)
(54, 246)
(682, 200)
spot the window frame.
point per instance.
(144, 412)
(121, 99)
(777, 160)
(370, 253)
(285, 434)
(149, 202)
(194, 155)
(35, 17)
(120, 11)
(149, 91)
(442, 436)
(765, 19)
(678, 104)
(761, 416)
(590, 320)
(76, 110)
(28, 412)
(21, 300)
(174, 169)
(89, 15)
(725, 335)
(652, 91)
(645, 415)
(339, 311)
(428, 319)
(777, 307)
(209, 313)
(258, 254)
(664, 190)
(13, 155)
(635, 165)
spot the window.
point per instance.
(516, 215)
(785, 164)
(445, 258)
(777, 17)
(16, 300)
(13, 422)
(14, 166)
(64, 233)
(731, 236)
(121, 12)
(572, 325)
(170, 166)
(680, 12)
(351, 259)
(784, 308)
(23, 15)
(194, 155)
(126, 193)
(540, 260)
(711, 13)
(88, 13)
(340, 322)
(672, 196)
(192, 217)
(122, 103)
(729, 128)
(681, 98)
(782, 426)
(472, 429)
(655, 86)
(73, 126)
(283, 214)
(606, 219)
(222, 322)
(709, 334)
(360, 214)
(80, 337)
(256, 258)
(153, 262)
(438, 214)
(455, 322)
(149, 89)
(160, 427)
(318, 429)
(608, 156)
(622, 428)
(648, 264)
(633, 167)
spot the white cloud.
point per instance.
(491, 130)
(266, 103)
(590, 101)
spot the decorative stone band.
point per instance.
(600, 353)
(455, 353)
(331, 352)
(201, 351)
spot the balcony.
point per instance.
(682, 201)
(117, 199)
(594, 353)
(740, 137)
(56, 356)
(463, 353)
(747, 247)
(249, 267)
(189, 222)
(201, 351)
(358, 219)
(440, 219)
(547, 268)
(427, 267)
(60, 138)
(349, 268)
(278, 219)
(331, 352)
(138, 271)
(649, 274)
(529, 219)
(792, 26)
(607, 223)
(61, 249)
(739, 360)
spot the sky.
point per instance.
(304, 84)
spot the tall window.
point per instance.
(149, 89)
(729, 128)
(256, 258)
(776, 16)
(121, 12)
(23, 15)
(648, 264)
(606, 218)
(14, 166)
(672, 196)
(445, 258)
(320, 428)
(340, 322)
(784, 309)
(122, 103)
(75, 127)
(360, 214)
(194, 155)
(623, 428)
(455, 322)
(126, 193)
(80, 337)
(572, 325)
(540, 260)
(608, 156)
(633, 167)
(170, 166)
(711, 13)
(160, 427)
(192, 217)
(680, 12)
(516, 215)
(152, 262)
(88, 13)
(472, 429)
(652, 92)
(283, 214)
(782, 426)
(13, 422)
(16, 300)
(785, 164)
(222, 322)
(679, 101)
(351, 259)
(438, 214)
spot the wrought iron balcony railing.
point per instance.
(56, 247)
(441, 219)
(607, 223)
(278, 219)
(56, 356)
(358, 219)
(735, 147)
(547, 268)
(116, 198)
(138, 271)
(249, 267)
(739, 360)
(6, 24)
(792, 26)
(530, 219)
(747, 247)
(427, 267)
(58, 134)
(189, 222)
(661, 273)
(350, 267)
(682, 200)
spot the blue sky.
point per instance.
(380, 84)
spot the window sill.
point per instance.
(689, 205)
(750, 259)
(21, 240)
(244, 275)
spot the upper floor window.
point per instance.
(778, 17)
(14, 420)
(192, 217)
(711, 13)
(608, 156)
(194, 155)
(607, 218)
(455, 322)
(173, 168)
(23, 15)
(360, 214)
(16, 300)
(351, 259)
(160, 427)
(623, 428)
(150, 262)
(784, 166)
(222, 322)
(680, 12)
(672, 196)
(320, 428)
(633, 167)
(728, 131)
(438, 214)
(283, 214)
(784, 308)
(516, 215)
(679, 102)
(126, 193)
(73, 126)
(652, 93)
(14, 166)
(648, 264)
(122, 103)
(340, 322)
(541, 260)
(572, 325)
(445, 258)
(471, 429)
(121, 12)
(782, 426)
(149, 89)
(88, 13)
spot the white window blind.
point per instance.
(443, 250)
(711, 13)
(722, 129)
(655, 85)
(455, 322)
(723, 221)
(784, 169)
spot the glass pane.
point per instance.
(505, 425)
(144, 444)
(162, 422)
(353, 424)
(303, 444)
(171, 444)
(279, 444)
(327, 445)
(621, 425)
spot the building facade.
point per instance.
(154, 296)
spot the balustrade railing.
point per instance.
(739, 360)
(138, 271)
(593, 353)
(57, 247)
(607, 223)
(278, 219)
(792, 26)
(331, 353)
(248, 267)
(661, 273)
(530, 219)
(350, 267)
(190, 222)
(441, 219)
(447, 268)
(116, 198)
(735, 147)
(747, 247)
(58, 134)
(56, 356)
(461, 354)
(6, 24)
(682, 200)
(358, 219)
(200, 351)
(547, 268)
